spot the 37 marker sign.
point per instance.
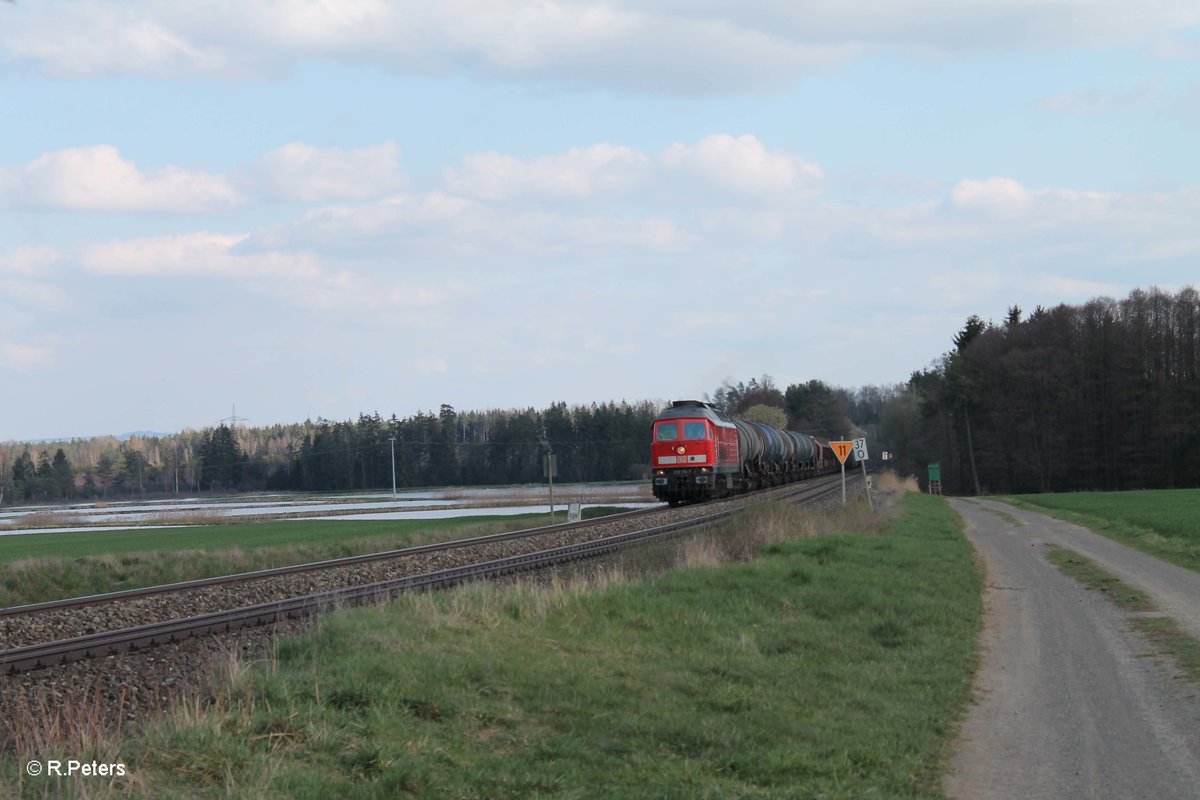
(860, 449)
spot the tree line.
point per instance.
(601, 441)
(1101, 396)
(596, 442)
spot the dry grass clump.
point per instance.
(889, 482)
(486, 603)
(47, 725)
(763, 525)
(195, 516)
(47, 519)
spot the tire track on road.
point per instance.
(1068, 704)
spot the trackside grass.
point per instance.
(829, 667)
(1164, 523)
(49, 566)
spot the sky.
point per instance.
(309, 208)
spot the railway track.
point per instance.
(334, 563)
(94, 645)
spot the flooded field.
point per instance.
(426, 504)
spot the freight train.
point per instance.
(698, 453)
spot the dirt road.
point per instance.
(1069, 703)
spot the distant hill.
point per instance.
(125, 437)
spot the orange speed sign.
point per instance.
(841, 449)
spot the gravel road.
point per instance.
(1069, 703)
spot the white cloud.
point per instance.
(1001, 221)
(1177, 48)
(96, 178)
(431, 364)
(298, 172)
(1075, 289)
(998, 196)
(663, 46)
(297, 277)
(588, 42)
(578, 173)
(76, 39)
(652, 234)
(402, 217)
(725, 198)
(29, 260)
(743, 164)
(441, 226)
(26, 287)
(1101, 100)
(45, 296)
(195, 254)
(1007, 199)
(24, 357)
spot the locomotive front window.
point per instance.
(667, 432)
(694, 430)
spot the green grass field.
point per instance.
(830, 667)
(1163, 523)
(48, 566)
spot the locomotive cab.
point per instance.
(693, 451)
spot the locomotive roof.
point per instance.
(691, 409)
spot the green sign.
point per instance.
(935, 471)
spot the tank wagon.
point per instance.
(698, 453)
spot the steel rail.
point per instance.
(333, 563)
(110, 642)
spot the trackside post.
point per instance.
(860, 453)
(842, 450)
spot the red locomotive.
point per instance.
(697, 453)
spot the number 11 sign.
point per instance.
(842, 451)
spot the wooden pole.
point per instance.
(550, 472)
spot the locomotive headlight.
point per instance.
(660, 472)
(679, 449)
(704, 469)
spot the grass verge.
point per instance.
(1163, 633)
(1086, 572)
(833, 666)
(1164, 523)
(1168, 638)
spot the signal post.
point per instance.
(860, 453)
(842, 451)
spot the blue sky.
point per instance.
(320, 208)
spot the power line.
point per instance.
(233, 419)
